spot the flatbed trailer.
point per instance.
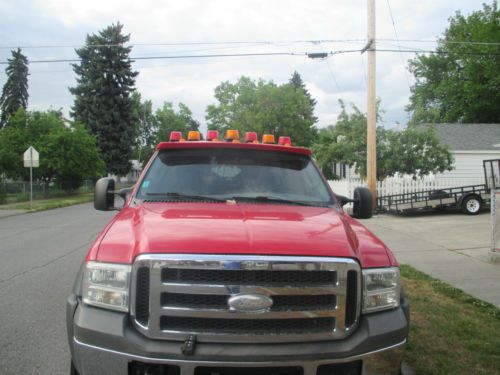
(470, 199)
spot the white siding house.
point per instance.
(470, 144)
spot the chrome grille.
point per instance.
(177, 295)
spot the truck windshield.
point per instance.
(234, 174)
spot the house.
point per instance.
(470, 144)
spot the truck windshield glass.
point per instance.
(234, 174)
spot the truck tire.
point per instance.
(471, 205)
(363, 203)
(72, 370)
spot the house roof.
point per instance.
(462, 137)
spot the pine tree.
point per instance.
(15, 90)
(103, 102)
(296, 81)
(298, 84)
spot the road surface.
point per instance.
(40, 254)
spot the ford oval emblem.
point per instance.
(250, 303)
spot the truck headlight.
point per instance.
(381, 289)
(106, 285)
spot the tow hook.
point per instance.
(188, 347)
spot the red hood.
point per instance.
(259, 229)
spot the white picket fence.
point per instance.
(401, 185)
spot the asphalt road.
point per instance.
(39, 256)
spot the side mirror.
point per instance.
(125, 193)
(363, 203)
(104, 194)
(343, 200)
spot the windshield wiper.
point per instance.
(271, 199)
(179, 196)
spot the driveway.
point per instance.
(452, 247)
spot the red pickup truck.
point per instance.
(235, 257)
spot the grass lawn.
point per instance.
(451, 332)
(47, 204)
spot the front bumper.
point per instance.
(104, 342)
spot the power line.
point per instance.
(399, 45)
(257, 54)
(177, 57)
(254, 54)
(332, 74)
(438, 41)
(440, 52)
(257, 42)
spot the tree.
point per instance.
(146, 128)
(68, 152)
(296, 81)
(460, 81)
(167, 120)
(15, 90)
(103, 103)
(263, 107)
(412, 151)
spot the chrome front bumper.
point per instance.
(94, 360)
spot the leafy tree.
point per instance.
(460, 82)
(15, 90)
(412, 151)
(167, 120)
(263, 107)
(103, 103)
(68, 152)
(146, 128)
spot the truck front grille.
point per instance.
(177, 295)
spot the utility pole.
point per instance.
(371, 141)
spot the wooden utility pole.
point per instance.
(371, 149)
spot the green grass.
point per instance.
(48, 204)
(451, 332)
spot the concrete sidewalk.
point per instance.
(452, 247)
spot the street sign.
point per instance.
(31, 158)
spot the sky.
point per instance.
(52, 29)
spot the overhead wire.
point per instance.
(331, 72)
(255, 42)
(398, 44)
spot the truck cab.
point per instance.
(234, 256)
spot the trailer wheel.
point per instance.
(471, 205)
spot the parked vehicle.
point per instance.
(469, 199)
(236, 258)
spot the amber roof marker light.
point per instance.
(194, 135)
(268, 139)
(232, 135)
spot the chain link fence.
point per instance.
(13, 192)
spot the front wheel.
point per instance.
(72, 370)
(471, 205)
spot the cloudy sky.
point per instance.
(51, 29)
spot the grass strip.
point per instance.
(51, 203)
(451, 332)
